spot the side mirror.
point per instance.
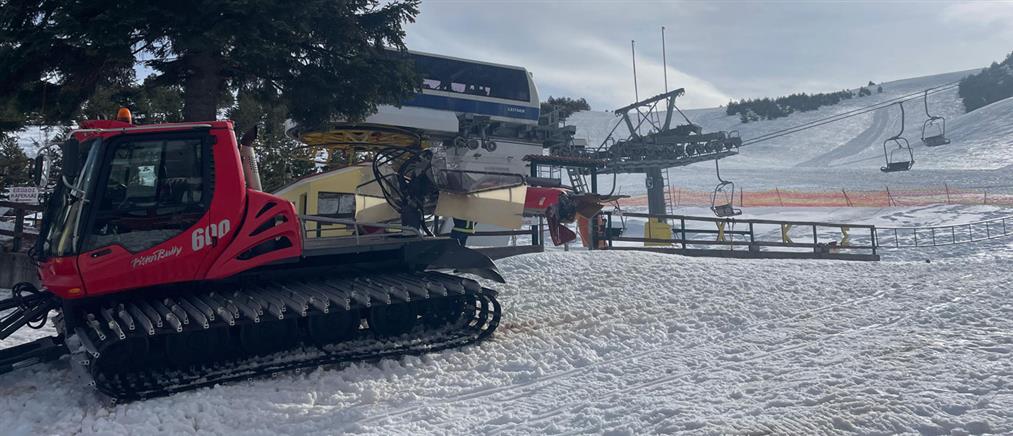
(71, 150)
(41, 168)
(249, 137)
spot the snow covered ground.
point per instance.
(8, 227)
(625, 343)
(636, 343)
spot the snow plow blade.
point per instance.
(30, 307)
(38, 351)
(451, 255)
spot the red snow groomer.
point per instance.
(168, 269)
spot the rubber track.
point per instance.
(180, 315)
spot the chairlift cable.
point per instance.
(848, 114)
(862, 110)
(834, 118)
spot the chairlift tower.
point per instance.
(651, 145)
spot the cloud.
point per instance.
(604, 75)
(996, 15)
(564, 46)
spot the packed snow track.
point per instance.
(634, 343)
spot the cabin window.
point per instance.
(153, 191)
(336, 205)
(451, 75)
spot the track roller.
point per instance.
(269, 336)
(393, 319)
(334, 327)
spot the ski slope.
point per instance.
(848, 153)
(635, 343)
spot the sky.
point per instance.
(717, 50)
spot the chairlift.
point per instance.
(614, 231)
(900, 158)
(934, 129)
(723, 196)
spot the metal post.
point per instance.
(664, 60)
(592, 226)
(608, 229)
(816, 240)
(682, 223)
(656, 201)
(875, 241)
(534, 234)
(541, 232)
(19, 229)
(536, 231)
(633, 49)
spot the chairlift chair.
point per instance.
(895, 158)
(934, 124)
(722, 207)
(613, 231)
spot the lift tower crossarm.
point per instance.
(671, 94)
(650, 104)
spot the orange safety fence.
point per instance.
(840, 198)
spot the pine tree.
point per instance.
(15, 166)
(565, 105)
(769, 109)
(319, 58)
(988, 86)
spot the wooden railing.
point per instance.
(21, 238)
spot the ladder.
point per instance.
(577, 181)
(669, 201)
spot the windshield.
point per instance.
(63, 215)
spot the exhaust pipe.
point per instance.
(249, 159)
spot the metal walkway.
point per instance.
(777, 239)
(936, 236)
(742, 238)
